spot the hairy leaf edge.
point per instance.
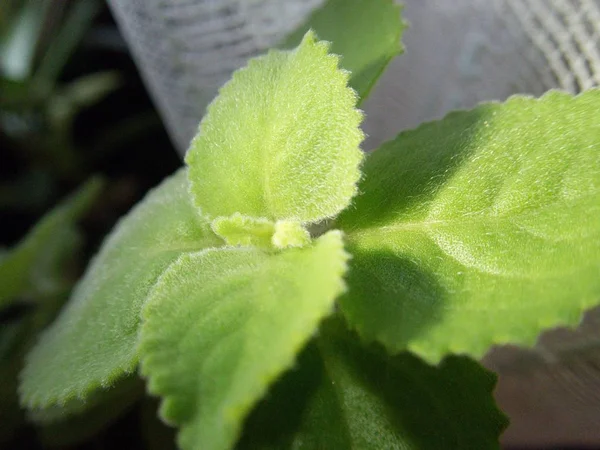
(76, 402)
(274, 372)
(572, 320)
(190, 159)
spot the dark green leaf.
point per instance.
(343, 396)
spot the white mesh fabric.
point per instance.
(186, 49)
(462, 52)
(568, 34)
(459, 52)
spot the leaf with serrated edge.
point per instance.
(91, 345)
(366, 33)
(344, 396)
(281, 141)
(481, 228)
(222, 324)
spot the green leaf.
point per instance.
(281, 141)
(481, 228)
(32, 276)
(289, 234)
(366, 33)
(77, 22)
(91, 345)
(33, 268)
(244, 231)
(343, 396)
(18, 44)
(81, 93)
(11, 416)
(248, 231)
(222, 324)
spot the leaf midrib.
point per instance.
(426, 226)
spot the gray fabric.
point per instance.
(552, 393)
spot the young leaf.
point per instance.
(289, 234)
(281, 141)
(481, 228)
(366, 33)
(222, 324)
(92, 343)
(238, 230)
(343, 396)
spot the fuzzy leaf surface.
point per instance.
(343, 395)
(92, 343)
(281, 141)
(366, 33)
(223, 324)
(481, 228)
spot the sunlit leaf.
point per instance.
(222, 324)
(481, 228)
(281, 141)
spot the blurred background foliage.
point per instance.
(74, 117)
(70, 103)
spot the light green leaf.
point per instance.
(33, 268)
(343, 396)
(222, 324)
(366, 33)
(238, 230)
(289, 234)
(281, 141)
(244, 231)
(91, 345)
(76, 23)
(481, 228)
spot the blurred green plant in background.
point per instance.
(39, 105)
(37, 109)
(56, 132)
(37, 114)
